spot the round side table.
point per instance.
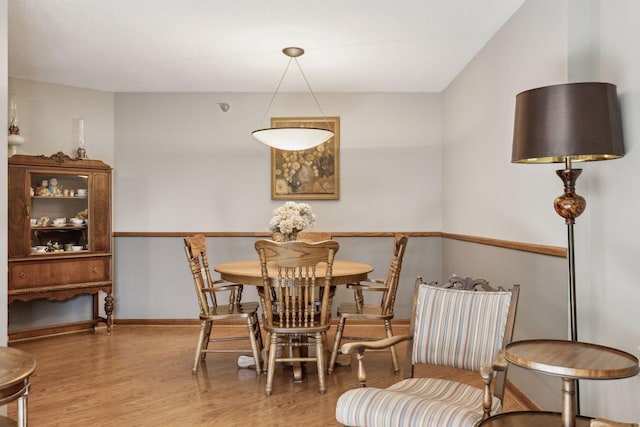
(570, 360)
(16, 367)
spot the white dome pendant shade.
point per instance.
(293, 138)
(289, 138)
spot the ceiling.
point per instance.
(236, 45)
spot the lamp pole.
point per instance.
(570, 206)
(572, 284)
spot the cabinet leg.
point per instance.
(108, 309)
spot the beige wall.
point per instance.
(203, 171)
(609, 232)
(549, 42)
(153, 280)
(478, 132)
(503, 200)
(48, 113)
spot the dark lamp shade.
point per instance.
(579, 121)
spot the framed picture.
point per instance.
(312, 174)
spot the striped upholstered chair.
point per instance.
(463, 323)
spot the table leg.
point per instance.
(298, 351)
(22, 409)
(568, 402)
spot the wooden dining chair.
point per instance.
(381, 312)
(295, 301)
(209, 292)
(463, 323)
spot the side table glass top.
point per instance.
(570, 359)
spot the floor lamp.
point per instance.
(568, 123)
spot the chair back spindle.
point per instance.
(393, 276)
(297, 300)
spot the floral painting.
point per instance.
(307, 174)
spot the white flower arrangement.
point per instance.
(291, 218)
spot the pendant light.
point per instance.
(292, 138)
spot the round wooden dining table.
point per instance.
(249, 272)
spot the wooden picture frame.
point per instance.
(312, 174)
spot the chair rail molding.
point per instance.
(554, 251)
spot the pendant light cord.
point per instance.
(275, 93)
(308, 86)
(311, 90)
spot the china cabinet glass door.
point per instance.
(59, 212)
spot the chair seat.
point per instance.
(414, 402)
(241, 310)
(348, 309)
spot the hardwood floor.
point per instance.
(141, 376)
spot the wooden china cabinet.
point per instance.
(59, 234)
